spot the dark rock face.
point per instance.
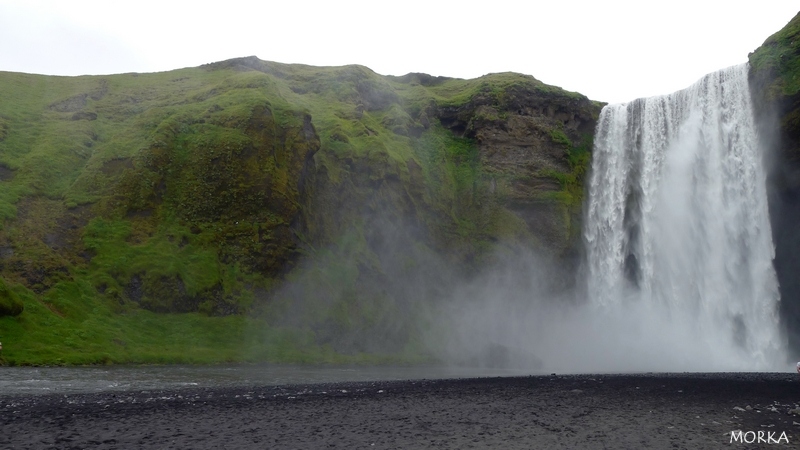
(525, 139)
(775, 85)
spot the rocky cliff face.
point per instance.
(333, 200)
(535, 143)
(775, 84)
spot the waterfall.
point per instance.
(677, 224)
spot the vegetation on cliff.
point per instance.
(255, 211)
(780, 53)
(775, 81)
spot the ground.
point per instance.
(654, 411)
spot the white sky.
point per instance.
(611, 51)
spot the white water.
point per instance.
(677, 230)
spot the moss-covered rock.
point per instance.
(534, 142)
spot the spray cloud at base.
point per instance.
(677, 273)
(566, 336)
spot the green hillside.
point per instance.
(255, 211)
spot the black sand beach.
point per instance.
(648, 411)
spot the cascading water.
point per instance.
(677, 225)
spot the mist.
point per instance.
(521, 310)
(498, 325)
(676, 271)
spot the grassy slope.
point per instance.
(81, 157)
(781, 53)
(775, 81)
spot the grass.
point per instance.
(72, 326)
(781, 53)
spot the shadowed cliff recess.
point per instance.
(775, 85)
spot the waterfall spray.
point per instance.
(677, 225)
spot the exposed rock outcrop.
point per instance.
(531, 139)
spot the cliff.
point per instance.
(775, 85)
(251, 210)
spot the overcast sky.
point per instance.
(611, 51)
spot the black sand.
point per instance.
(658, 411)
